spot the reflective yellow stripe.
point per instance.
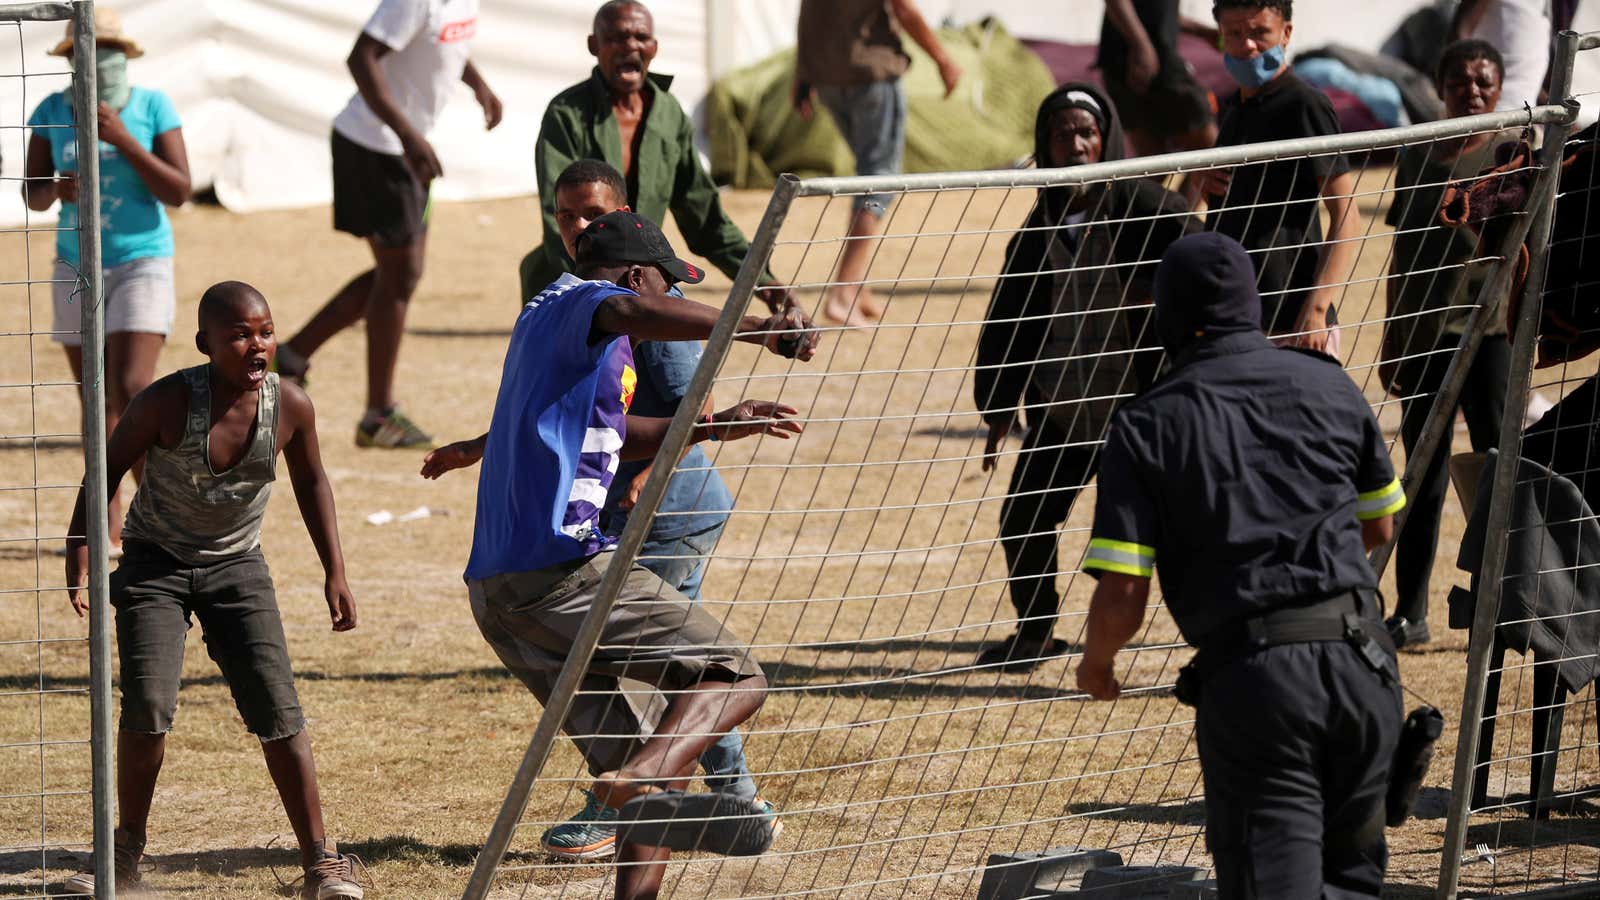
(1122, 557)
(1385, 501)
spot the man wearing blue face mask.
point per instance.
(1271, 208)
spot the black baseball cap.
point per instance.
(626, 237)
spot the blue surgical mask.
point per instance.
(1257, 70)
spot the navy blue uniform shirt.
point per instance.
(1243, 478)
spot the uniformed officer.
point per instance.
(1254, 478)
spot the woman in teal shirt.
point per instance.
(143, 168)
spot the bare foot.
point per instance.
(852, 306)
(615, 788)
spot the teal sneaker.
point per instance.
(392, 430)
(772, 816)
(591, 834)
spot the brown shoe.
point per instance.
(333, 876)
(125, 863)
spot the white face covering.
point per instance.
(111, 76)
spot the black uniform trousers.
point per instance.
(1483, 403)
(1046, 481)
(1296, 742)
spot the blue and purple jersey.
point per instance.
(556, 436)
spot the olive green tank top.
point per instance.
(196, 514)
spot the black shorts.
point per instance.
(156, 597)
(1174, 104)
(375, 195)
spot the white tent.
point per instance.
(257, 82)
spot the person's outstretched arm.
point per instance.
(454, 456)
(662, 318)
(645, 433)
(314, 495)
(910, 18)
(746, 418)
(157, 412)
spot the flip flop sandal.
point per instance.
(707, 821)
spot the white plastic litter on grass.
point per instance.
(384, 517)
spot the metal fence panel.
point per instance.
(861, 566)
(55, 750)
(1520, 823)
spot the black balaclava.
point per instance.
(1205, 286)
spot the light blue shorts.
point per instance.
(140, 296)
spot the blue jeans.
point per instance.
(723, 762)
(872, 118)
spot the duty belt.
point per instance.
(1351, 616)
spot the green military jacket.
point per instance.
(578, 124)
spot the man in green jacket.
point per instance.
(623, 114)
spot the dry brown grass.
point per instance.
(417, 727)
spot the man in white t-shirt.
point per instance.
(406, 64)
(1521, 31)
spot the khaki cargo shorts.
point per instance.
(653, 635)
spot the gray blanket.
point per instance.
(1551, 599)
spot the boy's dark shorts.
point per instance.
(156, 596)
(375, 195)
(1175, 103)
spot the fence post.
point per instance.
(632, 538)
(84, 113)
(1487, 612)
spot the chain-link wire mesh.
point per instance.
(47, 746)
(871, 562)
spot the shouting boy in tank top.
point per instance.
(210, 438)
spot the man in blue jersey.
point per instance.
(688, 520)
(560, 428)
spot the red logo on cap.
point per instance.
(693, 272)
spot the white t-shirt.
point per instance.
(428, 42)
(1520, 30)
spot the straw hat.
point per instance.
(107, 33)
